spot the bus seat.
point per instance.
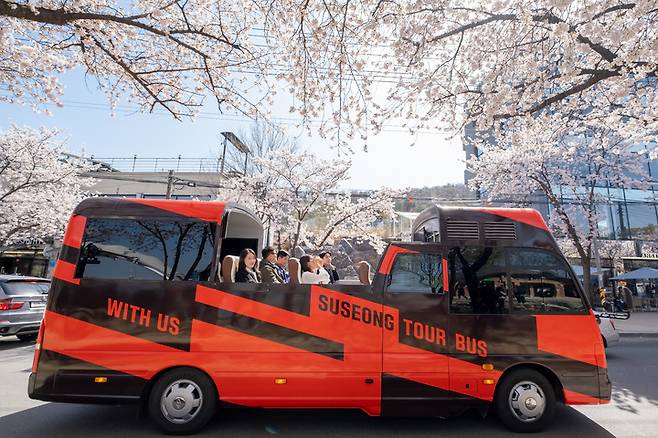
(363, 269)
(295, 270)
(229, 268)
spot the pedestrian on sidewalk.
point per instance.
(628, 298)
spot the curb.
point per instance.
(638, 335)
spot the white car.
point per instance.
(608, 331)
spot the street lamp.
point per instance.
(239, 145)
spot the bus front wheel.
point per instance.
(525, 401)
(182, 401)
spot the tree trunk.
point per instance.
(296, 239)
(590, 291)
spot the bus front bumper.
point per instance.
(605, 386)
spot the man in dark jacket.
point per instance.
(282, 258)
(327, 266)
(268, 271)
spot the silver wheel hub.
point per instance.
(181, 401)
(527, 401)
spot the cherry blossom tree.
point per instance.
(569, 164)
(39, 185)
(299, 185)
(348, 217)
(294, 189)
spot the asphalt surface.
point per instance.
(633, 367)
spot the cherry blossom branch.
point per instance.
(62, 17)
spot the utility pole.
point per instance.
(170, 183)
(221, 172)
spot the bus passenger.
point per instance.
(325, 256)
(282, 258)
(247, 267)
(460, 290)
(312, 272)
(268, 270)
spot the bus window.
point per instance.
(542, 283)
(416, 273)
(478, 281)
(146, 249)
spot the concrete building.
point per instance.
(175, 185)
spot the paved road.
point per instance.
(632, 413)
(639, 322)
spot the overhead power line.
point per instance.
(295, 121)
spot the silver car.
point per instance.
(22, 303)
(608, 330)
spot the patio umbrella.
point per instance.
(638, 274)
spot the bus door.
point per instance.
(415, 363)
(483, 335)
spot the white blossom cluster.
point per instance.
(160, 53)
(357, 218)
(351, 65)
(441, 63)
(39, 187)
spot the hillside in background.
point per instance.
(420, 198)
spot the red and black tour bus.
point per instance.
(480, 310)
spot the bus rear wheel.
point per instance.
(525, 401)
(182, 401)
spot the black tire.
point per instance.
(192, 386)
(532, 386)
(27, 336)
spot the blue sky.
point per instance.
(86, 121)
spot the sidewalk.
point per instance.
(639, 324)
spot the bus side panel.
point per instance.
(62, 377)
(555, 334)
(508, 340)
(322, 344)
(157, 311)
(499, 340)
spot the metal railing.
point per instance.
(160, 164)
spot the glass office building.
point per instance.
(628, 217)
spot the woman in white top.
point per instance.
(312, 272)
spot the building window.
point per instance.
(146, 250)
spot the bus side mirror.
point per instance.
(89, 254)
